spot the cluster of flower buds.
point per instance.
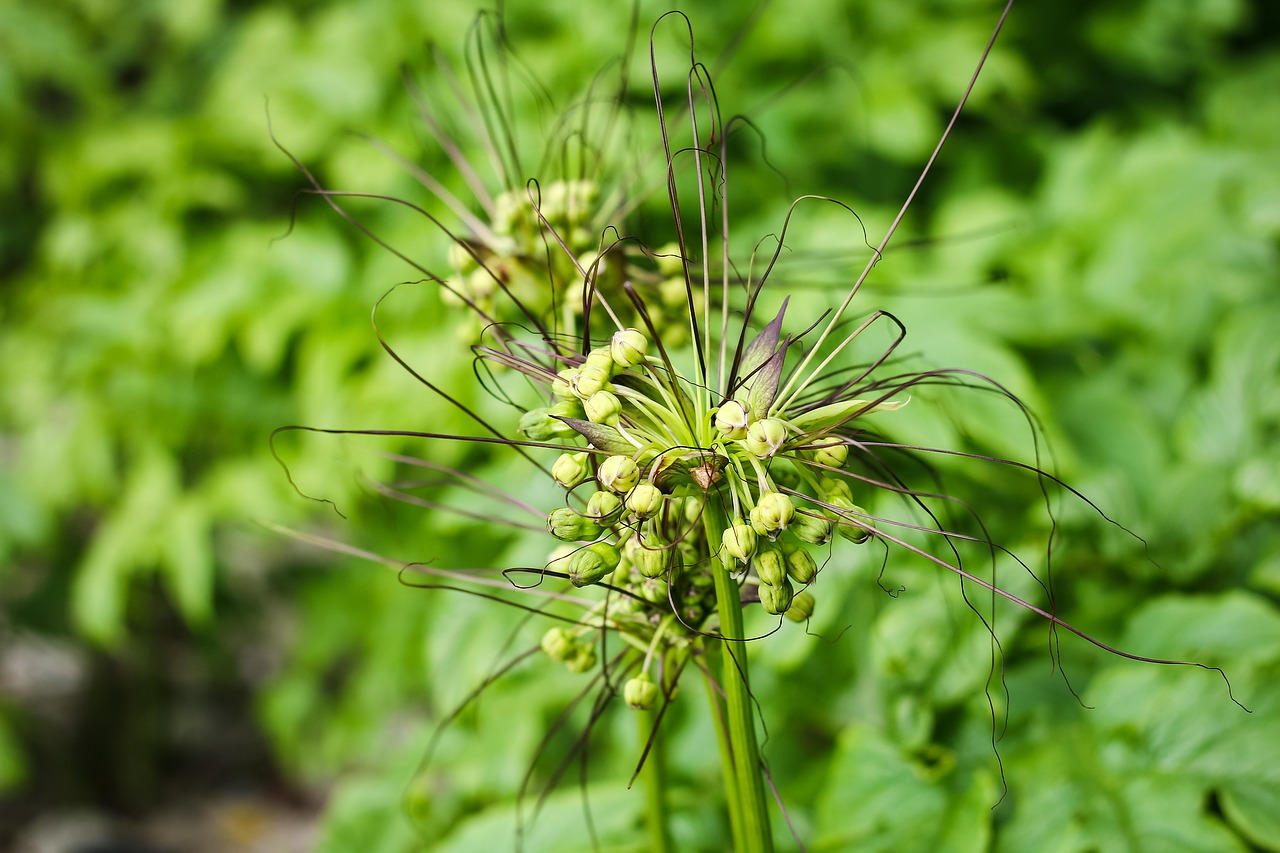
(649, 463)
(568, 646)
(510, 253)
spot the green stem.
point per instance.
(716, 704)
(748, 781)
(654, 778)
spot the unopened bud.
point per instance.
(603, 407)
(773, 512)
(561, 387)
(583, 658)
(739, 541)
(765, 437)
(847, 522)
(654, 590)
(618, 474)
(810, 529)
(802, 604)
(770, 565)
(801, 567)
(590, 564)
(834, 490)
(570, 469)
(627, 347)
(830, 451)
(640, 692)
(731, 421)
(587, 380)
(776, 599)
(601, 358)
(558, 644)
(540, 425)
(569, 525)
(604, 507)
(571, 408)
(650, 558)
(644, 501)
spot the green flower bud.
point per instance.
(776, 599)
(640, 692)
(604, 507)
(765, 437)
(848, 522)
(570, 469)
(834, 489)
(627, 347)
(770, 565)
(650, 558)
(561, 387)
(739, 541)
(587, 380)
(600, 358)
(569, 525)
(571, 408)
(590, 564)
(800, 565)
(539, 425)
(731, 420)
(654, 590)
(644, 501)
(618, 474)
(802, 604)
(583, 659)
(807, 528)
(603, 407)
(559, 645)
(773, 512)
(831, 451)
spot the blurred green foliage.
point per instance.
(1102, 236)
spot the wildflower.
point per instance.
(618, 474)
(651, 558)
(721, 456)
(772, 514)
(802, 604)
(627, 347)
(570, 469)
(640, 692)
(591, 564)
(644, 500)
(776, 599)
(568, 525)
(801, 567)
(770, 565)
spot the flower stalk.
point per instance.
(744, 782)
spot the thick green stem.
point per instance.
(654, 778)
(748, 781)
(716, 703)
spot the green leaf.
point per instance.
(834, 414)
(601, 436)
(879, 798)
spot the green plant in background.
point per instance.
(701, 475)
(1104, 242)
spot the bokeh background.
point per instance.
(1102, 235)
